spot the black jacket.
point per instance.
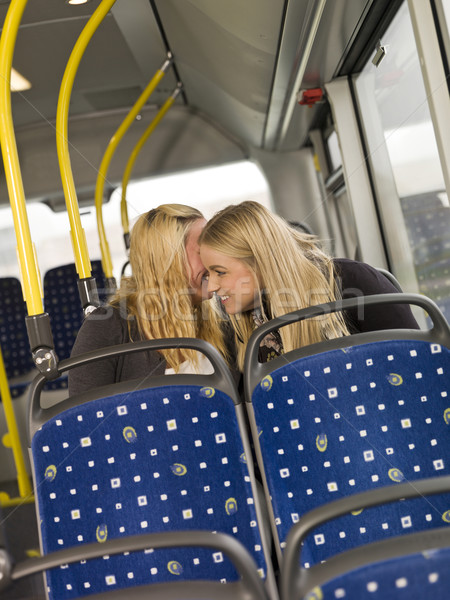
(359, 279)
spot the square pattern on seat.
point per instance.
(350, 420)
(62, 302)
(13, 334)
(417, 576)
(161, 459)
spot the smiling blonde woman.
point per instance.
(260, 267)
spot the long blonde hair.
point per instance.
(289, 268)
(157, 294)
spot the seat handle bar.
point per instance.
(255, 371)
(235, 551)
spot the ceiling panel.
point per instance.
(237, 60)
(117, 61)
(226, 55)
(37, 11)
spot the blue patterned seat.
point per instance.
(351, 415)
(161, 459)
(417, 576)
(62, 303)
(13, 335)
(413, 565)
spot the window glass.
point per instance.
(402, 148)
(206, 189)
(446, 6)
(446, 25)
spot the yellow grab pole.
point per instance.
(37, 322)
(106, 160)
(136, 150)
(82, 262)
(12, 440)
(31, 284)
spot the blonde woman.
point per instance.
(260, 267)
(161, 299)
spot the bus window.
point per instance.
(443, 9)
(404, 159)
(207, 189)
(50, 234)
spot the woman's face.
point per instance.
(196, 269)
(231, 279)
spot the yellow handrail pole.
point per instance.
(12, 440)
(28, 266)
(132, 159)
(82, 262)
(37, 322)
(103, 170)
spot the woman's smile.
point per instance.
(231, 280)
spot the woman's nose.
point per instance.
(212, 285)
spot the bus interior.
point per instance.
(335, 114)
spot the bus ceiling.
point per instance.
(242, 65)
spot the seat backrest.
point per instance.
(349, 419)
(170, 457)
(391, 277)
(13, 332)
(62, 303)
(386, 568)
(417, 576)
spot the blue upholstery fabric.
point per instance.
(62, 303)
(350, 420)
(414, 577)
(161, 459)
(13, 333)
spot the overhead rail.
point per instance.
(11, 439)
(37, 322)
(106, 160)
(132, 159)
(86, 285)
